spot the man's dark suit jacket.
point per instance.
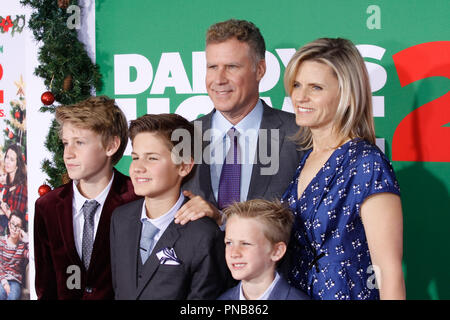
(199, 245)
(267, 187)
(281, 291)
(54, 244)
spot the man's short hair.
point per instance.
(99, 114)
(276, 217)
(241, 30)
(172, 128)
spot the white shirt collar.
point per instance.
(80, 199)
(266, 293)
(163, 221)
(221, 124)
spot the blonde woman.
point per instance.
(348, 228)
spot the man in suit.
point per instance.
(235, 56)
(151, 256)
(72, 222)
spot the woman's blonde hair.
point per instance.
(354, 113)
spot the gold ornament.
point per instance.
(67, 84)
(21, 86)
(65, 178)
(63, 4)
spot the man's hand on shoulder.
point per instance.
(196, 208)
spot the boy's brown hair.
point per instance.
(101, 115)
(164, 125)
(276, 218)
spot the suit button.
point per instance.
(88, 290)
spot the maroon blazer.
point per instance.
(55, 251)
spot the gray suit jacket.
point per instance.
(262, 186)
(281, 291)
(202, 273)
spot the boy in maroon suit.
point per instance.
(71, 223)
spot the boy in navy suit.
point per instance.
(151, 256)
(256, 238)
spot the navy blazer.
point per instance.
(281, 291)
(201, 274)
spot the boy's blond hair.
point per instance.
(101, 115)
(276, 218)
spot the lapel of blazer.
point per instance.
(280, 291)
(115, 198)
(258, 182)
(204, 168)
(65, 220)
(235, 292)
(131, 240)
(168, 239)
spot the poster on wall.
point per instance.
(14, 249)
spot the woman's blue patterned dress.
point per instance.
(331, 258)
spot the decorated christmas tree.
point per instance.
(66, 68)
(15, 131)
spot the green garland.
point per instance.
(61, 55)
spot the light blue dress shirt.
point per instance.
(163, 221)
(248, 139)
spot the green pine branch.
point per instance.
(61, 54)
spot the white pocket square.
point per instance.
(168, 256)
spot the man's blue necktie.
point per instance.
(230, 177)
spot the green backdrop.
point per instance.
(158, 30)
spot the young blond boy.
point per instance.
(256, 237)
(72, 222)
(173, 261)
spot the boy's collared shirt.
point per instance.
(78, 217)
(266, 293)
(163, 221)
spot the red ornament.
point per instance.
(47, 98)
(44, 189)
(17, 115)
(11, 135)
